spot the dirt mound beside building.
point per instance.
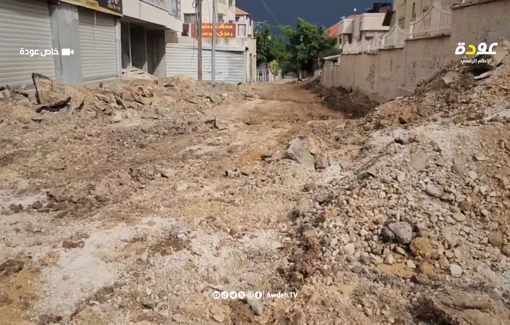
(353, 103)
(113, 102)
(410, 220)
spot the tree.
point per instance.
(271, 47)
(264, 43)
(306, 43)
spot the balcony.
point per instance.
(435, 21)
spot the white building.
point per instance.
(91, 31)
(226, 11)
(145, 26)
(235, 45)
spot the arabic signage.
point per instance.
(112, 7)
(481, 49)
(222, 30)
(161, 4)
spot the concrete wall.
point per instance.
(391, 72)
(328, 75)
(426, 56)
(396, 72)
(147, 12)
(65, 34)
(373, 21)
(491, 16)
(249, 24)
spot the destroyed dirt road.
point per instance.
(133, 204)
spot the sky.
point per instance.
(321, 12)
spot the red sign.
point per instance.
(222, 30)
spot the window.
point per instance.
(414, 12)
(241, 30)
(190, 18)
(221, 18)
(237, 18)
(401, 23)
(174, 8)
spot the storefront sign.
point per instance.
(222, 30)
(161, 4)
(113, 7)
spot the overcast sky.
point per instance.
(321, 12)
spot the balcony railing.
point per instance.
(395, 37)
(436, 20)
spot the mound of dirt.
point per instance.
(456, 93)
(113, 102)
(414, 229)
(353, 103)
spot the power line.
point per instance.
(270, 12)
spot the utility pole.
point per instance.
(213, 47)
(199, 35)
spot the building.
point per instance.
(145, 27)
(244, 24)
(245, 30)
(89, 31)
(407, 11)
(226, 11)
(235, 44)
(80, 41)
(359, 31)
(367, 25)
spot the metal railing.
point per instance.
(436, 20)
(395, 37)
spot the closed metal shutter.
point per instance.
(24, 24)
(98, 45)
(182, 60)
(230, 67)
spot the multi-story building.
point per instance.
(365, 26)
(144, 30)
(226, 11)
(408, 11)
(235, 45)
(77, 41)
(244, 24)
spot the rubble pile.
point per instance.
(353, 103)
(172, 98)
(133, 73)
(456, 93)
(421, 218)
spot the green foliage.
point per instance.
(329, 52)
(299, 50)
(306, 42)
(274, 67)
(264, 44)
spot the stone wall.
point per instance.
(392, 73)
(424, 57)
